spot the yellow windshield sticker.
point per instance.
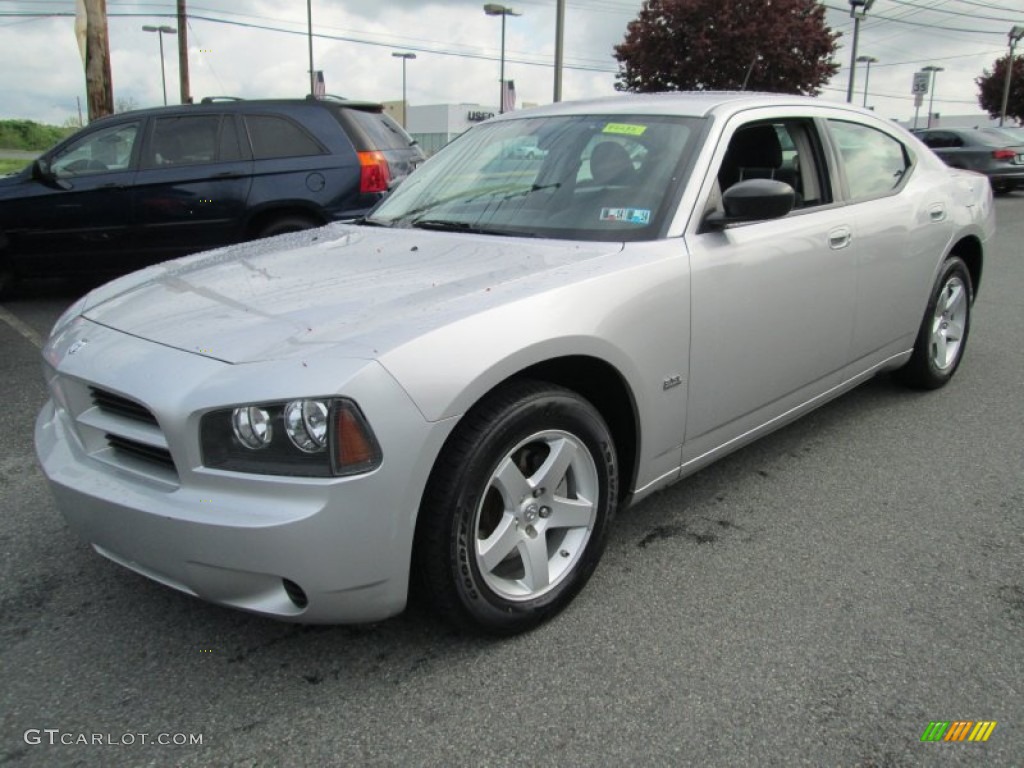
(626, 129)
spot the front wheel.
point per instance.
(942, 337)
(517, 509)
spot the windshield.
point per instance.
(581, 177)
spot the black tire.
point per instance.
(942, 337)
(286, 224)
(1001, 188)
(517, 427)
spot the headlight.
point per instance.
(316, 437)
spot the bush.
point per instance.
(28, 135)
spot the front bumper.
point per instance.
(333, 550)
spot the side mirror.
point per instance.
(753, 200)
(41, 172)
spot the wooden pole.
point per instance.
(98, 84)
(186, 96)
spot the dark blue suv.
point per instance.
(140, 187)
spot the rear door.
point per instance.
(902, 227)
(193, 185)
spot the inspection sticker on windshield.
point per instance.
(628, 129)
(630, 215)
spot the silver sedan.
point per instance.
(456, 394)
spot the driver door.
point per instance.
(80, 214)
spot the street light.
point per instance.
(1015, 35)
(858, 9)
(931, 89)
(161, 31)
(404, 57)
(869, 60)
(494, 9)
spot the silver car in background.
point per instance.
(459, 392)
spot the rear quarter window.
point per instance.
(274, 136)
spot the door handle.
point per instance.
(839, 238)
(227, 175)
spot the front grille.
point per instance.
(134, 448)
(121, 406)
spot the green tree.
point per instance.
(992, 84)
(783, 46)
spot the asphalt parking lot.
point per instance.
(815, 599)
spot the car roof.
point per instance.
(684, 103)
(231, 104)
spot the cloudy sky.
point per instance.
(257, 48)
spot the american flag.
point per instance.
(319, 87)
(508, 96)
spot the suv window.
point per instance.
(273, 136)
(875, 162)
(381, 130)
(183, 140)
(108, 149)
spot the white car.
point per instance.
(461, 390)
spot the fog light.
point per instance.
(305, 422)
(252, 427)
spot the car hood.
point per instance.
(365, 289)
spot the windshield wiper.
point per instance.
(443, 225)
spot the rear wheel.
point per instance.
(286, 224)
(942, 337)
(517, 510)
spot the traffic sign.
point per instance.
(921, 81)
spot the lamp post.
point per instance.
(931, 89)
(161, 31)
(404, 57)
(858, 9)
(495, 9)
(869, 60)
(1016, 33)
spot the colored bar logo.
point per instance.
(958, 730)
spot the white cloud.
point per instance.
(41, 73)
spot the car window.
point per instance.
(382, 131)
(102, 151)
(876, 163)
(783, 150)
(274, 136)
(183, 140)
(597, 178)
(938, 140)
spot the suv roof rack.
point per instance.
(325, 97)
(211, 99)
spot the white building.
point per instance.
(434, 125)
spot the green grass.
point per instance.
(28, 135)
(10, 166)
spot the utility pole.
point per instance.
(559, 48)
(98, 85)
(186, 96)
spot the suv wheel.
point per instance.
(286, 224)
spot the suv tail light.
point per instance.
(375, 174)
(1004, 154)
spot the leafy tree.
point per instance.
(991, 85)
(783, 46)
